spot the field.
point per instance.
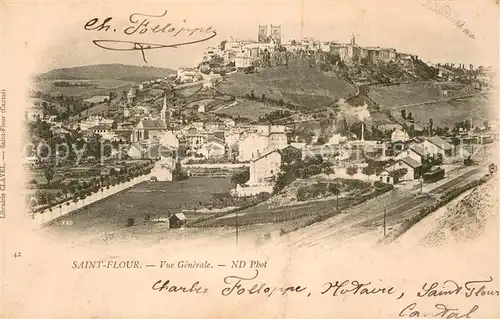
(99, 87)
(416, 92)
(476, 109)
(299, 84)
(157, 199)
(443, 113)
(251, 110)
(297, 214)
(97, 99)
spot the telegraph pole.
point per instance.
(338, 191)
(385, 215)
(237, 228)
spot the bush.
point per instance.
(312, 170)
(353, 184)
(241, 177)
(130, 222)
(312, 191)
(284, 178)
(352, 170)
(379, 184)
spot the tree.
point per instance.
(291, 155)
(351, 170)
(49, 174)
(467, 125)
(240, 177)
(410, 117)
(368, 170)
(398, 173)
(486, 125)
(403, 114)
(438, 159)
(329, 170)
(311, 170)
(411, 131)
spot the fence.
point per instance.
(69, 206)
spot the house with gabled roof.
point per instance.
(140, 151)
(177, 220)
(265, 168)
(147, 130)
(413, 151)
(434, 145)
(413, 170)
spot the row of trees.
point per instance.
(265, 99)
(275, 115)
(76, 189)
(40, 132)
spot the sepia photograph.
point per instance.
(231, 154)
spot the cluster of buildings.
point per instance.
(350, 53)
(247, 53)
(410, 156)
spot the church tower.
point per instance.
(262, 37)
(276, 34)
(353, 39)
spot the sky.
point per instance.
(50, 35)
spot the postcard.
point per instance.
(249, 159)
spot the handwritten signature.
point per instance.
(142, 24)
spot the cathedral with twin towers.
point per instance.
(268, 33)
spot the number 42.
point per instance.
(17, 254)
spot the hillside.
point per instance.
(417, 98)
(107, 71)
(471, 216)
(299, 84)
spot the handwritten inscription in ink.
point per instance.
(141, 24)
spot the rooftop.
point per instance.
(417, 149)
(410, 161)
(436, 140)
(264, 155)
(180, 216)
(152, 124)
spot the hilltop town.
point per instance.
(258, 125)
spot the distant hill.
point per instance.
(107, 71)
(301, 84)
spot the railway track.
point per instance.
(368, 217)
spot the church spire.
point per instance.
(353, 39)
